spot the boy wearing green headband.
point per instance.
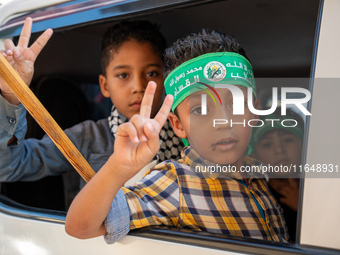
(277, 145)
(175, 193)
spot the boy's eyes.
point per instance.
(121, 75)
(269, 144)
(197, 110)
(152, 74)
(125, 75)
(266, 145)
(289, 140)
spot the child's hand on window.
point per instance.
(290, 193)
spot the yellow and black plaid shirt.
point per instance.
(173, 194)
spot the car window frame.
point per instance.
(18, 210)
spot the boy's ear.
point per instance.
(177, 126)
(103, 86)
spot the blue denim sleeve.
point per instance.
(12, 122)
(117, 222)
(25, 159)
(32, 159)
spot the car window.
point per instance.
(279, 39)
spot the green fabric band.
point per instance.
(211, 68)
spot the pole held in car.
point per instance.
(44, 119)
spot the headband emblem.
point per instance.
(214, 71)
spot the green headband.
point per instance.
(211, 68)
(258, 132)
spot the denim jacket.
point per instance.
(32, 159)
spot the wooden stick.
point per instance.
(44, 119)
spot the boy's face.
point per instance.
(127, 75)
(279, 147)
(223, 144)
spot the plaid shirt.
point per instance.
(222, 203)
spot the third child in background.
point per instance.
(282, 146)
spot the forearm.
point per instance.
(12, 121)
(136, 144)
(25, 159)
(86, 215)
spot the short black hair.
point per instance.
(200, 43)
(140, 30)
(197, 44)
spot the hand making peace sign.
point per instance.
(137, 141)
(22, 57)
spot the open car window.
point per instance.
(280, 39)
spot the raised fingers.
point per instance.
(8, 52)
(138, 122)
(153, 136)
(9, 46)
(163, 113)
(25, 33)
(40, 43)
(145, 110)
(128, 130)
